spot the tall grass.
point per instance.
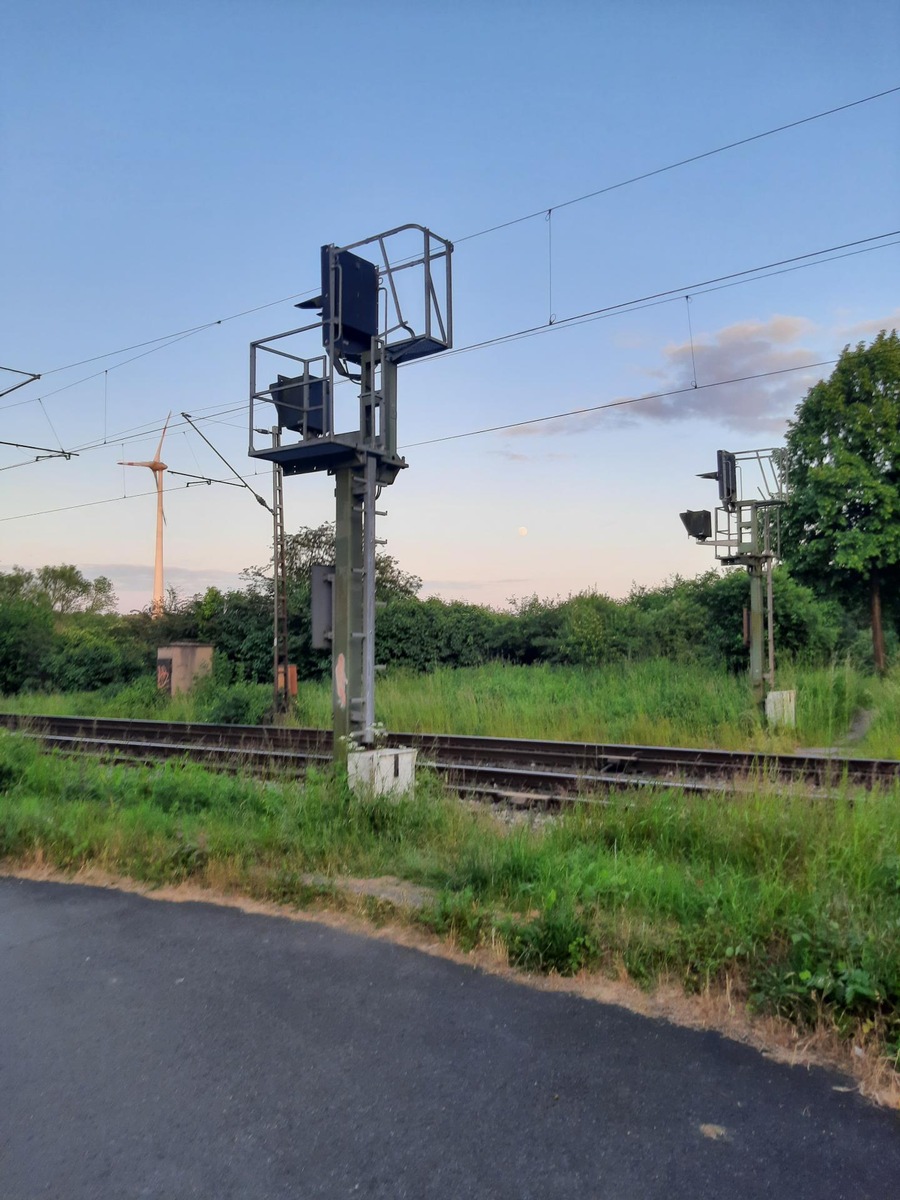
(654, 702)
(797, 899)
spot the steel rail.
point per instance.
(525, 770)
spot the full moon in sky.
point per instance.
(523, 532)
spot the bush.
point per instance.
(239, 704)
(26, 639)
(84, 660)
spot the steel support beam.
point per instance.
(756, 566)
(280, 650)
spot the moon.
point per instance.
(523, 532)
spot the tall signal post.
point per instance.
(745, 531)
(388, 305)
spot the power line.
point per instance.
(96, 374)
(577, 412)
(682, 162)
(181, 487)
(733, 279)
(155, 344)
(455, 436)
(243, 482)
(178, 335)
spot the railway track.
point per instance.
(514, 769)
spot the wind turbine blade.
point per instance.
(165, 427)
(151, 465)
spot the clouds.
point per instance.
(517, 456)
(868, 330)
(763, 349)
(709, 380)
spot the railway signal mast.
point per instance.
(385, 301)
(745, 531)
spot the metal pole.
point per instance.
(770, 601)
(348, 629)
(280, 597)
(755, 565)
(368, 605)
(276, 587)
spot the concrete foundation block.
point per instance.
(382, 772)
(781, 709)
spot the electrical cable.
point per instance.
(456, 436)
(171, 338)
(179, 333)
(680, 163)
(577, 412)
(734, 279)
(243, 482)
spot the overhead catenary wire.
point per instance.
(111, 500)
(682, 162)
(243, 482)
(470, 433)
(592, 408)
(177, 335)
(734, 279)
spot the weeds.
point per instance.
(799, 898)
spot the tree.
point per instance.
(841, 531)
(67, 590)
(26, 640)
(316, 545)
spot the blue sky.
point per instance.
(168, 165)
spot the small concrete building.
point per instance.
(180, 665)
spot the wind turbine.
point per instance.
(157, 467)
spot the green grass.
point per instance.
(653, 702)
(650, 703)
(797, 900)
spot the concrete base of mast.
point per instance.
(382, 772)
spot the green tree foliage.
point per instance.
(683, 620)
(63, 588)
(26, 642)
(239, 625)
(424, 634)
(90, 656)
(310, 546)
(68, 591)
(842, 526)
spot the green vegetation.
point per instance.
(46, 645)
(842, 531)
(797, 902)
(652, 703)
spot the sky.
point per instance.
(169, 166)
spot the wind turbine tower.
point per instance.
(157, 466)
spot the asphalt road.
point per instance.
(183, 1050)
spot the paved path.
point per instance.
(183, 1050)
